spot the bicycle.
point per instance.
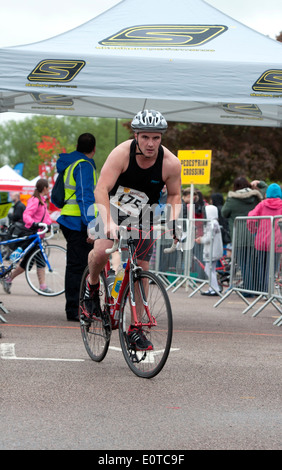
(52, 256)
(142, 301)
(222, 270)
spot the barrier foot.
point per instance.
(263, 306)
(179, 285)
(278, 322)
(198, 288)
(4, 310)
(252, 304)
(223, 298)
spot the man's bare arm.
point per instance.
(115, 164)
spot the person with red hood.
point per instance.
(271, 206)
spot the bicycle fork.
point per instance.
(138, 304)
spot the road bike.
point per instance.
(143, 301)
(48, 257)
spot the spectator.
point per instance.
(18, 209)
(244, 197)
(213, 248)
(78, 212)
(198, 214)
(218, 201)
(271, 206)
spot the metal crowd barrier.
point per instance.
(256, 268)
(184, 267)
(4, 310)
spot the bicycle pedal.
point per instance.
(85, 322)
(134, 357)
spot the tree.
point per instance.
(252, 151)
(18, 140)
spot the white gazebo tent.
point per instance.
(184, 58)
(10, 180)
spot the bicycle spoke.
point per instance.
(155, 320)
(54, 277)
(96, 332)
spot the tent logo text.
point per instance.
(161, 36)
(47, 99)
(244, 109)
(269, 81)
(56, 70)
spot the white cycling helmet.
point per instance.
(149, 121)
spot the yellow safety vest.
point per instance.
(71, 206)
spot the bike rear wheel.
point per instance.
(54, 277)
(147, 364)
(96, 332)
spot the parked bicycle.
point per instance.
(143, 301)
(222, 270)
(47, 257)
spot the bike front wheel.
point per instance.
(53, 276)
(151, 299)
(96, 331)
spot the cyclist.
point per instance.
(139, 168)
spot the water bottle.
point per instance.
(111, 279)
(16, 254)
(118, 281)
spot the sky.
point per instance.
(24, 22)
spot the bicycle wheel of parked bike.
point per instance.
(38, 273)
(96, 331)
(150, 288)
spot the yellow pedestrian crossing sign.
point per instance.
(196, 166)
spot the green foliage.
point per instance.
(236, 150)
(254, 152)
(18, 139)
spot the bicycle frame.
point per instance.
(37, 241)
(130, 270)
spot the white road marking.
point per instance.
(7, 351)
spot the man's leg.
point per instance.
(77, 259)
(97, 259)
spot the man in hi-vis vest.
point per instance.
(80, 180)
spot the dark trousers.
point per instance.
(77, 260)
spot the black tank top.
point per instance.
(147, 180)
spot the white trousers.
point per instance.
(211, 273)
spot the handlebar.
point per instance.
(53, 231)
(172, 248)
(42, 224)
(114, 247)
(168, 250)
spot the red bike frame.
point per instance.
(114, 306)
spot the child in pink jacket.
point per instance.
(35, 212)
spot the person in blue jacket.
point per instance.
(79, 180)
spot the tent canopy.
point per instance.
(10, 180)
(185, 58)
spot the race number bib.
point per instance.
(129, 201)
